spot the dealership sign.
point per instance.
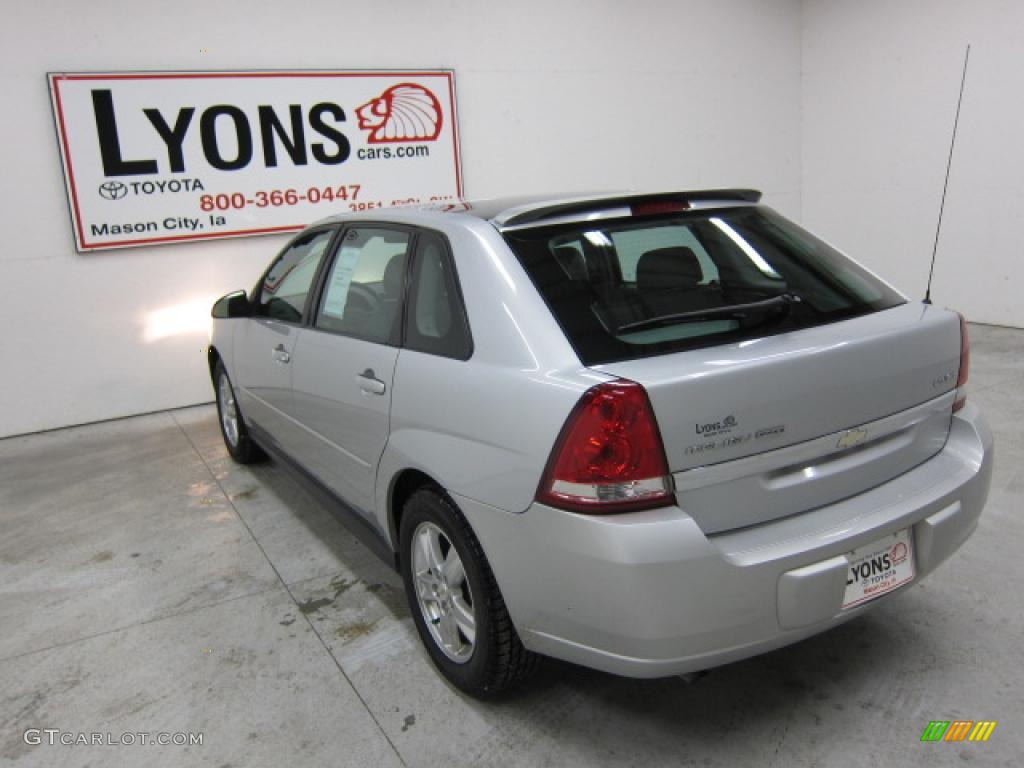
(153, 158)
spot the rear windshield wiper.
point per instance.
(783, 302)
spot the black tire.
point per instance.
(239, 444)
(498, 659)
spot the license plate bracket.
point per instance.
(879, 567)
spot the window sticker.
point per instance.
(341, 279)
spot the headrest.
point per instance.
(393, 273)
(666, 268)
(572, 261)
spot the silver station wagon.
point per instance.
(649, 434)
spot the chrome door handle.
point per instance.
(368, 382)
(281, 354)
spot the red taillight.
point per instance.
(609, 456)
(965, 364)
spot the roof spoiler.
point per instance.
(533, 215)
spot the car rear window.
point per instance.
(638, 286)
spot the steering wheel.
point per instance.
(362, 298)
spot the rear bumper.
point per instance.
(649, 594)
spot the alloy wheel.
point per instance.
(228, 410)
(443, 592)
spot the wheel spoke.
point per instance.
(464, 619)
(422, 555)
(425, 583)
(432, 542)
(453, 571)
(449, 632)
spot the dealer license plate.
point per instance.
(879, 567)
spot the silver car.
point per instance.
(649, 434)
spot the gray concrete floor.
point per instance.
(148, 584)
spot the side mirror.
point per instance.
(232, 305)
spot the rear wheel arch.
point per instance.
(404, 485)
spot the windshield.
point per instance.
(634, 287)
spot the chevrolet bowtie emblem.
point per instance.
(852, 438)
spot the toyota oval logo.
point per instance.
(113, 190)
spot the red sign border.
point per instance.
(56, 78)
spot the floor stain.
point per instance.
(393, 599)
(410, 721)
(236, 657)
(248, 493)
(342, 585)
(124, 708)
(311, 606)
(350, 632)
(102, 557)
(288, 621)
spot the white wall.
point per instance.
(880, 82)
(552, 97)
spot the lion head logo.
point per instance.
(404, 112)
(898, 553)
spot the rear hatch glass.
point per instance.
(634, 287)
